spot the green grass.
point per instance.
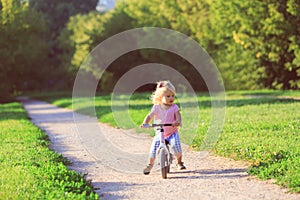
(264, 131)
(266, 134)
(28, 168)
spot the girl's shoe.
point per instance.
(147, 169)
(180, 166)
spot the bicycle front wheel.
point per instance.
(163, 163)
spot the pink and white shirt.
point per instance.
(165, 116)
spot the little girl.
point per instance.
(165, 112)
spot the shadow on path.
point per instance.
(230, 173)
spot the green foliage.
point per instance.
(56, 14)
(23, 48)
(147, 13)
(255, 44)
(238, 68)
(76, 39)
(83, 33)
(28, 168)
(106, 25)
(264, 33)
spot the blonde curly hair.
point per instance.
(161, 88)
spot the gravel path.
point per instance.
(210, 177)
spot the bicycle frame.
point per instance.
(163, 151)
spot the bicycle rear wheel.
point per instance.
(168, 169)
(169, 158)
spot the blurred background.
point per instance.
(255, 44)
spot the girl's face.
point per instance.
(168, 98)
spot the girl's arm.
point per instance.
(147, 119)
(177, 121)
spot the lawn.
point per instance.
(259, 127)
(28, 168)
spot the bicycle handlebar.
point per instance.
(155, 125)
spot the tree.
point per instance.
(255, 44)
(268, 33)
(84, 32)
(22, 48)
(56, 14)
(281, 38)
(228, 23)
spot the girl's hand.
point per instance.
(177, 119)
(176, 123)
(144, 126)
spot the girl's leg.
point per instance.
(178, 157)
(154, 146)
(174, 141)
(151, 161)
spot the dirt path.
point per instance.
(205, 178)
